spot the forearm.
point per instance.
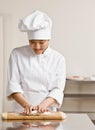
(44, 105)
(49, 101)
(28, 108)
(18, 97)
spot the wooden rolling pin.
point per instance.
(37, 116)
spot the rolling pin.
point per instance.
(37, 116)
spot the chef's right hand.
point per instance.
(28, 109)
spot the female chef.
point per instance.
(36, 73)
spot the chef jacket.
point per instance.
(36, 76)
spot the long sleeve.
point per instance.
(58, 84)
(13, 75)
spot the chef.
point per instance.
(36, 72)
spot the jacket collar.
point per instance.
(47, 51)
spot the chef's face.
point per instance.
(39, 46)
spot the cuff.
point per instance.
(13, 88)
(57, 95)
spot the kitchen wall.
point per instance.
(1, 61)
(72, 35)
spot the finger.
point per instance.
(24, 110)
(27, 110)
(47, 110)
(42, 110)
(30, 109)
(39, 110)
(34, 108)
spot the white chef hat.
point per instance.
(37, 25)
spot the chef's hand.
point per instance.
(29, 108)
(43, 106)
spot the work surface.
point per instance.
(72, 122)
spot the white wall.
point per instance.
(73, 30)
(1, 62)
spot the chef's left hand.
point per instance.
(43, 106)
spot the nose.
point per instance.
(37, 46)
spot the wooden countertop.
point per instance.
(72, 122)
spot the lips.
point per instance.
(38, 51)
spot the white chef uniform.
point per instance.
(36, 76)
